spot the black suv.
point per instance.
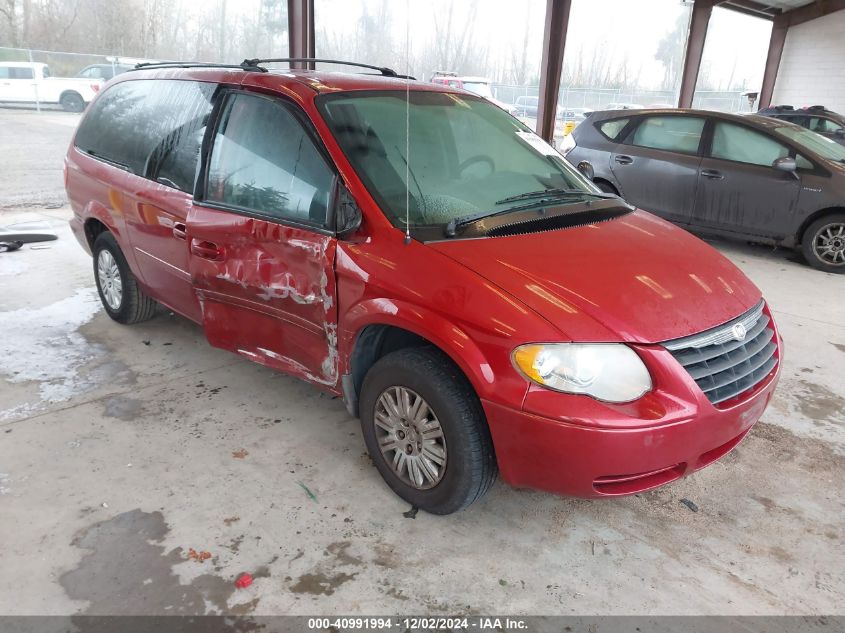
(816, 118)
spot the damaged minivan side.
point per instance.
(478, 304)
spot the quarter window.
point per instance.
(743, 145)
(672, 133)
(611, 129)
(153, 128)
(263, 160)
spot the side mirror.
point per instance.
(785, 164)
(348, 216)
(840, 132)
(586, 169)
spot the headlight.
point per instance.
(606, 371)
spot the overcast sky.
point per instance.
(620, 29)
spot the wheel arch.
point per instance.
(377, 327)
(799, 236)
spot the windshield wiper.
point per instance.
(538, 198)
(553, 193)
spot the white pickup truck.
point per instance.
(30, 82)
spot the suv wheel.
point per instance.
(72, 102)
(426, 432)
(823, 243)
(122, 298)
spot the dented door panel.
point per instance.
(266, 291)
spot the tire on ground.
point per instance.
(134, 306)
(470, 460)
(812, 234)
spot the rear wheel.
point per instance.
(823, 243)
(605, 186)
(72, 102)
(123, 300)
(425, 430)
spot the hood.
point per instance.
(636, 278)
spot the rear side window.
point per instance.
(152, 128)
(16, 72)
(263, 160)
(672, 133)
(823, 126)
(612, 128)
(743, 145)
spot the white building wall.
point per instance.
(812, 68)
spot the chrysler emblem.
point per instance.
(739, 332)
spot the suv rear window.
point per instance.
(612, 128)
(151, 127)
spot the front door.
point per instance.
(261, 254)
(739, 190)
(657, 164)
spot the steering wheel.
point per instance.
(478, 158)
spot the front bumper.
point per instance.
(576, 446)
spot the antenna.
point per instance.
(407, 124)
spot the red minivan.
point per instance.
(410, 247)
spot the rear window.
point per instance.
(152, 128)
(612, 128)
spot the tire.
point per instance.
(823, 243)
(122, 299)
(468, 467)
(605, 186)
(72, 102)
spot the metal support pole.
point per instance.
(301, 31)
(701, 11)
(554, 42)
(779, 30)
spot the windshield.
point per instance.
(479, 88)
(466, 155)
(821, 145)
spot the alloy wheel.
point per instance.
(108, 276)
(829, 244)
(410, 437)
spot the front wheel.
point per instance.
(823, 243)
(426, 432)
(123, 300)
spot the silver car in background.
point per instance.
(749, 177)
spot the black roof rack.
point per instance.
(254, 64)
(171, 64)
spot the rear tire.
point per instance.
(606, 186)
(72, 102)
(122, 299)
(823, 243)
(448, 429)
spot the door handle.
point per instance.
(179, 231)
(622, 159)
(206, 250)
(713, 174)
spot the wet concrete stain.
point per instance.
(820, 403)
(321, 584)
(123, 408)
(128, 572)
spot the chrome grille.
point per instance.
(724, 364)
